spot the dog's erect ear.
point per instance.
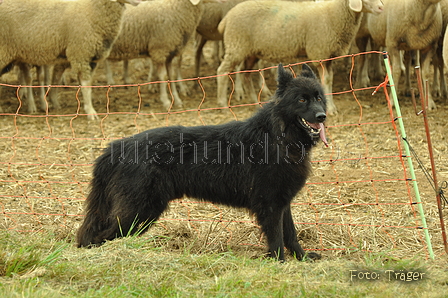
(307, 72)
(284, 77)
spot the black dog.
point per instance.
(260, 164)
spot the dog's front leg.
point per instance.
(270, 220)
(290, 235)
(290, 238)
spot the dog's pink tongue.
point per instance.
(321, 128)
(322, 134)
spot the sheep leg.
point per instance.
(435, 79)
(43, 77)
(163, 77)
(249, 87)
(239, 86)
(225, 67)
(85, 78)
(362, 67)
(362, 80)
(87, 98)
(263, 87)
(439, 83)
(178, 74)
(58, 71)
(22, 82)
(198, 56)
(40, 71)
(172, 85)
(249, 64)
(426, 57)
(126, 77)
(376, 64)
(218, 51)
(407, 61)
(262, 82)
(443, 87)
(109, 75)
(177, 100)
(26, 79)
(222, 84)
(326, 74)
(151, 75)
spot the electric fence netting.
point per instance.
(360, 197)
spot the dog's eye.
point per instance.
(319, 99)
(302, 99)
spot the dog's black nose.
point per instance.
(321, 116)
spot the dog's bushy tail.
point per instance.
(98, 226)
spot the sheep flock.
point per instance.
(55, 35)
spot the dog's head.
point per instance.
(302, 102)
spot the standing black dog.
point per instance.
(259, 164)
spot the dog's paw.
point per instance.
(311, 256)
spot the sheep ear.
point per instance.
(355, 5)
(195, 2)
(307, 72)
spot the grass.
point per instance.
(41, 265)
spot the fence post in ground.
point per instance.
(408, 155)
(424, 104)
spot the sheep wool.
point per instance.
(159, 30)
(408, 25)
(78, 33)
(280, 31)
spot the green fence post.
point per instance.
(408, 155)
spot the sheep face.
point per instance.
(372, 6)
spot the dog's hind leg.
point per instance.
(134, 217)
(118, 217)
(290, 238)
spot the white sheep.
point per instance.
(159, 30)
(439, 87)
(408, 25)
(280, 31)
(207, 28)
(445, 47)
(75, 33)
(214, 12)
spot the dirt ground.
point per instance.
(357, 199)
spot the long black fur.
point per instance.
(259, 164)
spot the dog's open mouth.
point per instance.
(315, 130)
